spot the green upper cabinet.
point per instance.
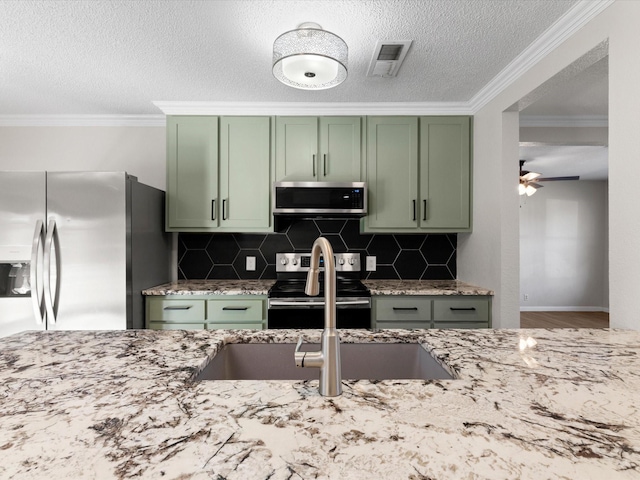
(219, 174)
(445, 174)
(318, 148)
(192, 172)
(392, 172)
(419, 175)
(245, 172)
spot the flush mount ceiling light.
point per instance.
(310, 58)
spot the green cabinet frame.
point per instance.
(219, 174)
(418, 172)
(318, 148)
(211, 312)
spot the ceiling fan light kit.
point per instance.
(529, 180)
(310, 58)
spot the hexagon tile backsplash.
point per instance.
(407, 257)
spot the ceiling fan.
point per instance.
(529, 180)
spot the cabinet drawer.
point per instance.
(401, 324)
(402, 309)
(235, 326)
(175, 326)
(468, 309)
(176, 310)
(233, 311)
(461, 325)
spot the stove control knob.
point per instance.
(294, 261)
(283, 261)
(352, 261)
(341, 261)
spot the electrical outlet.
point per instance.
(371, 264)
(251, 264)
(526, 297)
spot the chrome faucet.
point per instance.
(328, 358)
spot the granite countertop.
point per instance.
(424, 287)
(261, 287)
(212, 287)
(527, 404)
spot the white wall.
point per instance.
(140, 151)
(479, 254)
(563, 247)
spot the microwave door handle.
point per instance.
(36, 288)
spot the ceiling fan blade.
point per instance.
(527, 177)
(556, 179)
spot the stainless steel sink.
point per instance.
(360, 361)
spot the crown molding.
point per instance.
(82, 121)
(564, 121)
(314, 108)
(575, 18)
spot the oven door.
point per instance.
(309, 313)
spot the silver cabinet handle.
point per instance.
(235, 308)
(313, 164)
(177, 308)
(470, 309)
(324, 163)
(424, 209)
(224, 211)
(414, 210)
(213, 209)
(414, 309)
(50, 243)
(36, 289)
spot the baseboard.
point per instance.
(564, 309)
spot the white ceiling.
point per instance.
(584, 97)
(116, 57)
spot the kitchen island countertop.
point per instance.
(525, 404)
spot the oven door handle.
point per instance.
(282, 303)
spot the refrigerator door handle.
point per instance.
(36, 289)
(49, 244)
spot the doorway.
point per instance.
(564, 222)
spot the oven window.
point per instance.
(314, 318)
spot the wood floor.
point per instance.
(564, 320)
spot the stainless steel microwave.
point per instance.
(320, 199)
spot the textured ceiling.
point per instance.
(116, 57)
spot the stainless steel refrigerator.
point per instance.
(77, 249)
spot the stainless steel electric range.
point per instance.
(290, 307)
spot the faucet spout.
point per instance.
(328, 358)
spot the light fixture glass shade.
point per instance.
(310, 58)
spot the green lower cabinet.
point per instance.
(211, 312)
(175, 326)
(434, 311)
(401, 311)
(238, 311)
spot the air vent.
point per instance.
(387, 58)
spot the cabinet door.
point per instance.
(402, 311)
(192, 172)
(340, 151)
(245, 181)
(445, 171)
(296, 148)
(392, 173)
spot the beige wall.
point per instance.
(486, 256)
(139, 151)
